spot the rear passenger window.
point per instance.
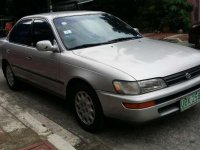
(21, 33)
(42, 31)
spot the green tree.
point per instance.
(176, 14)
(149, 14)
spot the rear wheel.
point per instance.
(10, 78)
(87, 108)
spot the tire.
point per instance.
(10, 78)
(197, 44)
(87, 108)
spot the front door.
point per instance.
(44, 67)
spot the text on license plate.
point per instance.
(189, 101)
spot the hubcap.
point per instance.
(85, 108)
(9, 76)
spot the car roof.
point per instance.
(52, 15)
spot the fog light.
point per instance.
(139, 105)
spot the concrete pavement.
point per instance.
(32, 129)
(181, 39)
(19, 130)
(170, 37)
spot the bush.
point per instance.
(150, 14)
(176, 14)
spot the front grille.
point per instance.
(177, 95)
(181, 76)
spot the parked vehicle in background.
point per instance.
(194, 35)
(6, 25)
(101, 65)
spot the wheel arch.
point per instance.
(72, 83)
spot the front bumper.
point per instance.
(167, 102)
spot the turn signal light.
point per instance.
(139, 105)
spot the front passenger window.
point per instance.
(41, 31)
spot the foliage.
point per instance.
(177, 14)
(150, 14)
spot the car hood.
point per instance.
(144, 58)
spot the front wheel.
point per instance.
(10, 78)
(87, 108)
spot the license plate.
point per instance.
(190, 101)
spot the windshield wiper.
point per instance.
(108, 42)
(86, 46)
(123, 39)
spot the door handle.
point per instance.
(28, 57)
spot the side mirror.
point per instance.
(46, 46)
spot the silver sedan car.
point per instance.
(103, 66)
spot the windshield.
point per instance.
(92, 30)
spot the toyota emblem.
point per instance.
(188, 75)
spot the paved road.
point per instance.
(180, 131)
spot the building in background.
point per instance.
(20, 8)
(63, 5)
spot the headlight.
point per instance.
(140, 87)
(129, 88)
(151, 85)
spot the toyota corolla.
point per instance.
(103, 66)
